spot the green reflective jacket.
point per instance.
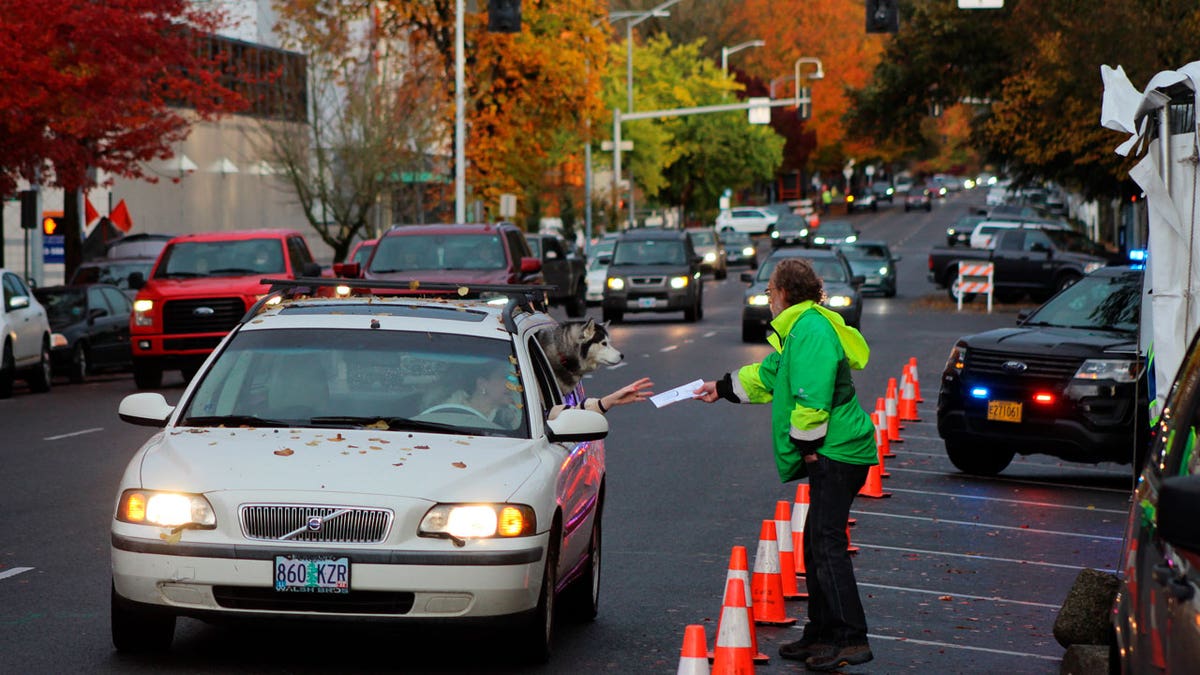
(807, 382)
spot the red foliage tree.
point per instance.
(106, 85)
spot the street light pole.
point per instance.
(726, 51)
(818, 75)
(460, 124)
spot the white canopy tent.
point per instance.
(1161, 122)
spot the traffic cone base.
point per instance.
(850, 548)
(874, 486)
(693, 658)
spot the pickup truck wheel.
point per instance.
(978, 460)
(577, 305)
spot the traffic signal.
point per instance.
(504, 16)
(52, 225)
(883, 16)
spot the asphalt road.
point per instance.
(958, 574)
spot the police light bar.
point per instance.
(1138, 255)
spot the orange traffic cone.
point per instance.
(883, 473)
(874, 485)
(850, 548)
(693, 659)
(766, 584)
(787, 558)
(893, 416)
(1157, 657)
(916, 381)
(799, 514)
(733, 654)
(908, 399)
(739, 570)
(881, 439)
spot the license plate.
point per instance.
(1004, 411)
(312, 575)
(647, 303)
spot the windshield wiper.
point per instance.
(234, 420)
(393, 423)
(236, 270)
(181, 275)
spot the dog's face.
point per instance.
(596, 349)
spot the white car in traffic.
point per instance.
(364, 458)
(24, 337)
(747, 219)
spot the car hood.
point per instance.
(642, 270)
(210, 286)
(1064, 341)
(447, 276)
(423, 466)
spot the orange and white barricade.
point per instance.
(976, 277)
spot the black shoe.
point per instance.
(803, 648)
(844, 656)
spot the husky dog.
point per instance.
(577, 348)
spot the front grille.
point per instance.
(189, 343)
(269, 522)
(192, 316)
(1040, 366)
(354, 602)
(646, 281)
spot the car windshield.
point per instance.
(791, 221)
(865, 252)
(835, 228)
(733, 237)
(115, 273)
(703, 237)
(423, 252)
(649, 252)
(63, 305)
(1104, 302)
(377, 379)
(830, 270)
(234, 257)
(1075, 242)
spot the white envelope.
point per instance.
(680, 393)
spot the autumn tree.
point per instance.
(374, 115)
(107, 86)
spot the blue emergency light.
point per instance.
(979, 392)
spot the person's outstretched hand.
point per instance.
(707, 392)
(633, 392)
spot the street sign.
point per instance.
(759, 111)
(626, 146)
(508, 205)
(54, 248)
(869, 170)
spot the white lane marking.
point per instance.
(956, 596)
(619, 365)
(74, 433)
(950, 645)
(1001, 479)
(975, 556)
(990, 526)
(709, 334)
(669, 348)
(13, 572)
(1022, 502)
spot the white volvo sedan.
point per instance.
(363, 457)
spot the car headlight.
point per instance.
(679, 282)
(710, 257)
(1118, 370)
(883, 271)
(774, 234)
(840, 301)
(849, 198)
(819, 240)
(462, 521)
(616, 283)
(851, 239)
(165, 509)
(58, 340)
(749, 250)
(1092, 267)
(141, 312)
(757, 300)
(804, 232)
(957, 358)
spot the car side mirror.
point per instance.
(576, 426)
(747, 277)
(146, 409)
(1176, 512)
(136, 281)
(351, 270)
(310, 269)
(96, 312)
(18, 302)
(530, 265)
(858, 280)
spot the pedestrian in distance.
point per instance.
(826, 199)
(819, 431)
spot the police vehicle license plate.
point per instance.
(312, 575)
(646, 302)
(1004, 411)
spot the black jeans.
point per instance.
(835, 612)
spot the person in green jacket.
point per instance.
(821, 432)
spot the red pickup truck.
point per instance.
(199, 288)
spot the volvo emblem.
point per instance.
(1014, 366)
(203, 311)
(314, 523)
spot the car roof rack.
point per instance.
(526, 297)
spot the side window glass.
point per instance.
(95, 300)
(118, 301)
(1035, 237)
(547, 386)
(8, 291)
(299, 252)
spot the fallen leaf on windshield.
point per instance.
(463, 290)
(458, 465)
(285, 452)
(514, 387)
(398, 464)
(374, 447)
(512, 359)
(313, 443)
(377, 424)
(462, 442)
(945, 598)
(414, 285)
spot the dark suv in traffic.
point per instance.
(653, 270)
(489, 254)
(1067, 381)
